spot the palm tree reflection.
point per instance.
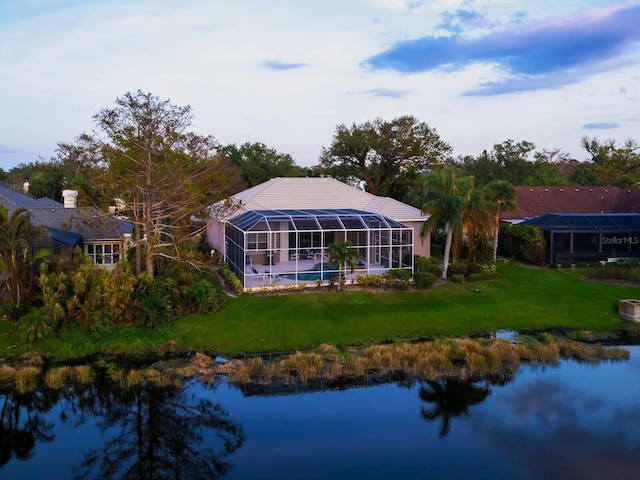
(450, 398)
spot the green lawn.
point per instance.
(522, 298)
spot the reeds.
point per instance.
(56, 377)
(459, 358)
(27, 379)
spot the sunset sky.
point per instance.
(286, 72)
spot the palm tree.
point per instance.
(17, 235)
(502, 194)
(478, 220)
(342, 254)
(445, 201)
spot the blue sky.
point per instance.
(286, 72)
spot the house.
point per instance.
(99, 235)
(282, 229)
(581, 223)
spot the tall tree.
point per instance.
(502, 195)
(383, 154)
(260, 163)
(17, 235)
(613, 164)
(445, 201)
(161, 174)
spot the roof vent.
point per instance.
(531, 189)
(576, 189)
(591, 189)
(546, 189)
(562, 189)
(606, 191)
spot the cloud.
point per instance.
(600, 126)
(456, 21)
(529, 57)
(4, 150)
(387, 92)
(275, 65)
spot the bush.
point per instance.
(398, 278)
(523, 242)
(474, 268)
(489, 268)
(34, 325)
(153, 303)
(614, 272)
(458, 278)
(457, 269)
(231, 278)
(370, 280)
(423, 279)
(202, 296)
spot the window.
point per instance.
(256, 241)
(103, 254)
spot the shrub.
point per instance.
(458, 278)
(202, 296)
(35, 325)
(423, 279)
(457, 269)
(231, 278)
(398, 278)
(370, 280)
(522, 242)
(474, 268)
(614, 272)
(153, 303)
(488, 268)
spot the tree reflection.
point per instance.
(450, 398)
(160, 433)
(22, 425)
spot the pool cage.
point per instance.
(266, 248)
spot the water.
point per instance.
(571, 421)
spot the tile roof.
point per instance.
(321, 193)
(535, 201)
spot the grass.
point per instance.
(522, 298)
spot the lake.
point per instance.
(572, 420)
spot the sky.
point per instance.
(286, 73)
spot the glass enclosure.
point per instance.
(291, 247)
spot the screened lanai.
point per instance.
(290, 247)
(589, 237)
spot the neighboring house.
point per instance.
(281, 231)
(97, 234)
(581, 223)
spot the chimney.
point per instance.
(70, 198)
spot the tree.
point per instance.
(614, 165)
(161, 175)
(260, 163)
(502, 194)
(17, 235)
(383, 155)
(342, 254)
(444, 200)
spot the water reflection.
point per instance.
(450, 398)
(149, 431)
(158, 433)
(23, 425)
